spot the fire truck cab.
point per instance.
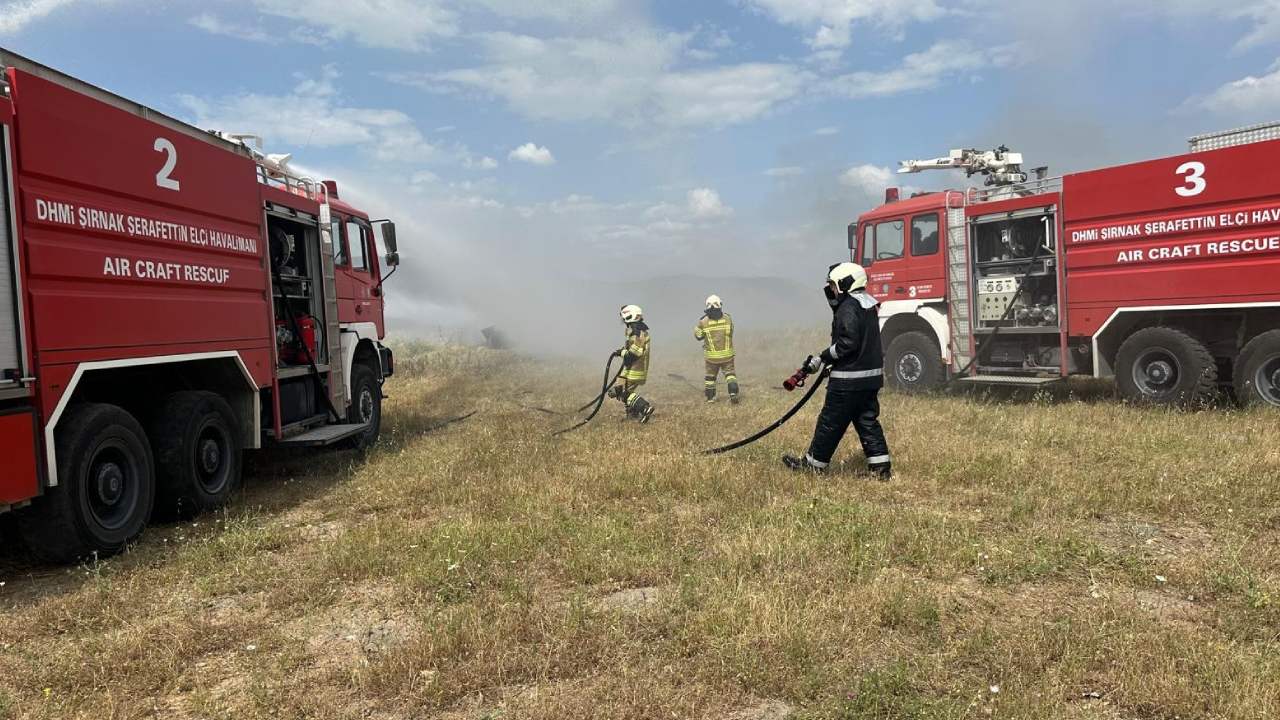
(1160, 274)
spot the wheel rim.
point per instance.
(213, 458)
(910, 368)
(1156, 372)
(1266, 380)
(112, 485)
(365, 406)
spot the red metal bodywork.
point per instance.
(115, 266)
(1179, 266)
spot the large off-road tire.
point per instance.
(913, 363)
(366, 405)
(1256, 375)
(197, 445)
(105, 490)
(1165, 366)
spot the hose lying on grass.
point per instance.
(777, 423)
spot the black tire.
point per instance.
(366, 405)
(913, 363)
(1164, 366)
(197, 445)
(1256, 375)
(105, 490)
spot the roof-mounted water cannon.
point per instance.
(1001, 166)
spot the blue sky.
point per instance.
(517, 141)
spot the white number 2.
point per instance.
(1193, 173)
(163, 178)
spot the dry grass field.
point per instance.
(1058, 555)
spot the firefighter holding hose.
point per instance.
(856, 363)
(715, 331)
(635, 365)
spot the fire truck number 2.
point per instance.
(163, 179)
(1193, 173)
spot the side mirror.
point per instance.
(389, 237)
(393, 259)
(853, 235)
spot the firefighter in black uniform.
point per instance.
(857, 374)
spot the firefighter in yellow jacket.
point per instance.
(715, 330)
(635, 365)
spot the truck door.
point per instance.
(11, 356)
(883, 254)
(925, 275)
(357, 276)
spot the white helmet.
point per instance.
(631, 313)
(714, 302)
(846, 277)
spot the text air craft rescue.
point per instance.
(1163, 274)
(168, 297)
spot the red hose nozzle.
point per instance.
(796, 380)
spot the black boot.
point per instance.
(733, 391)
(710, 393)
(640, 410)
(882, 471)
(802, 463)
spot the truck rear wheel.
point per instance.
(366, 406)
(105, 490)
(913, 363)
(1256, 376)
(197, 450)
(1164, 366)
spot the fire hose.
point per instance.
(791, 383)
(599, 399)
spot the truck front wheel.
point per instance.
(1164, 366)
(366, 406)
(913, 363)
(197, 450)
(1256, 376)
(105, 490)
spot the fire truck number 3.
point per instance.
(1193, 173)
(163, 178)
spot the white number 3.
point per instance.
(163, 178)
(1193, 172)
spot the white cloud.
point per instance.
(869, 179)
(532, 154)
(561, 10)
(705, 204)
(1252, 97)
(831, 21)
(630, 80)
(484, 163)
(778, 172)
(825, 131)
(924, 70)
(217, 26)
(312, 115)
(394, 24)
(16, 15)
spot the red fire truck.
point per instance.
(169, 296)
(1164, 274)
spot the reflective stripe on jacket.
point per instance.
(635, 354)
(855, 357)
(716, 337)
